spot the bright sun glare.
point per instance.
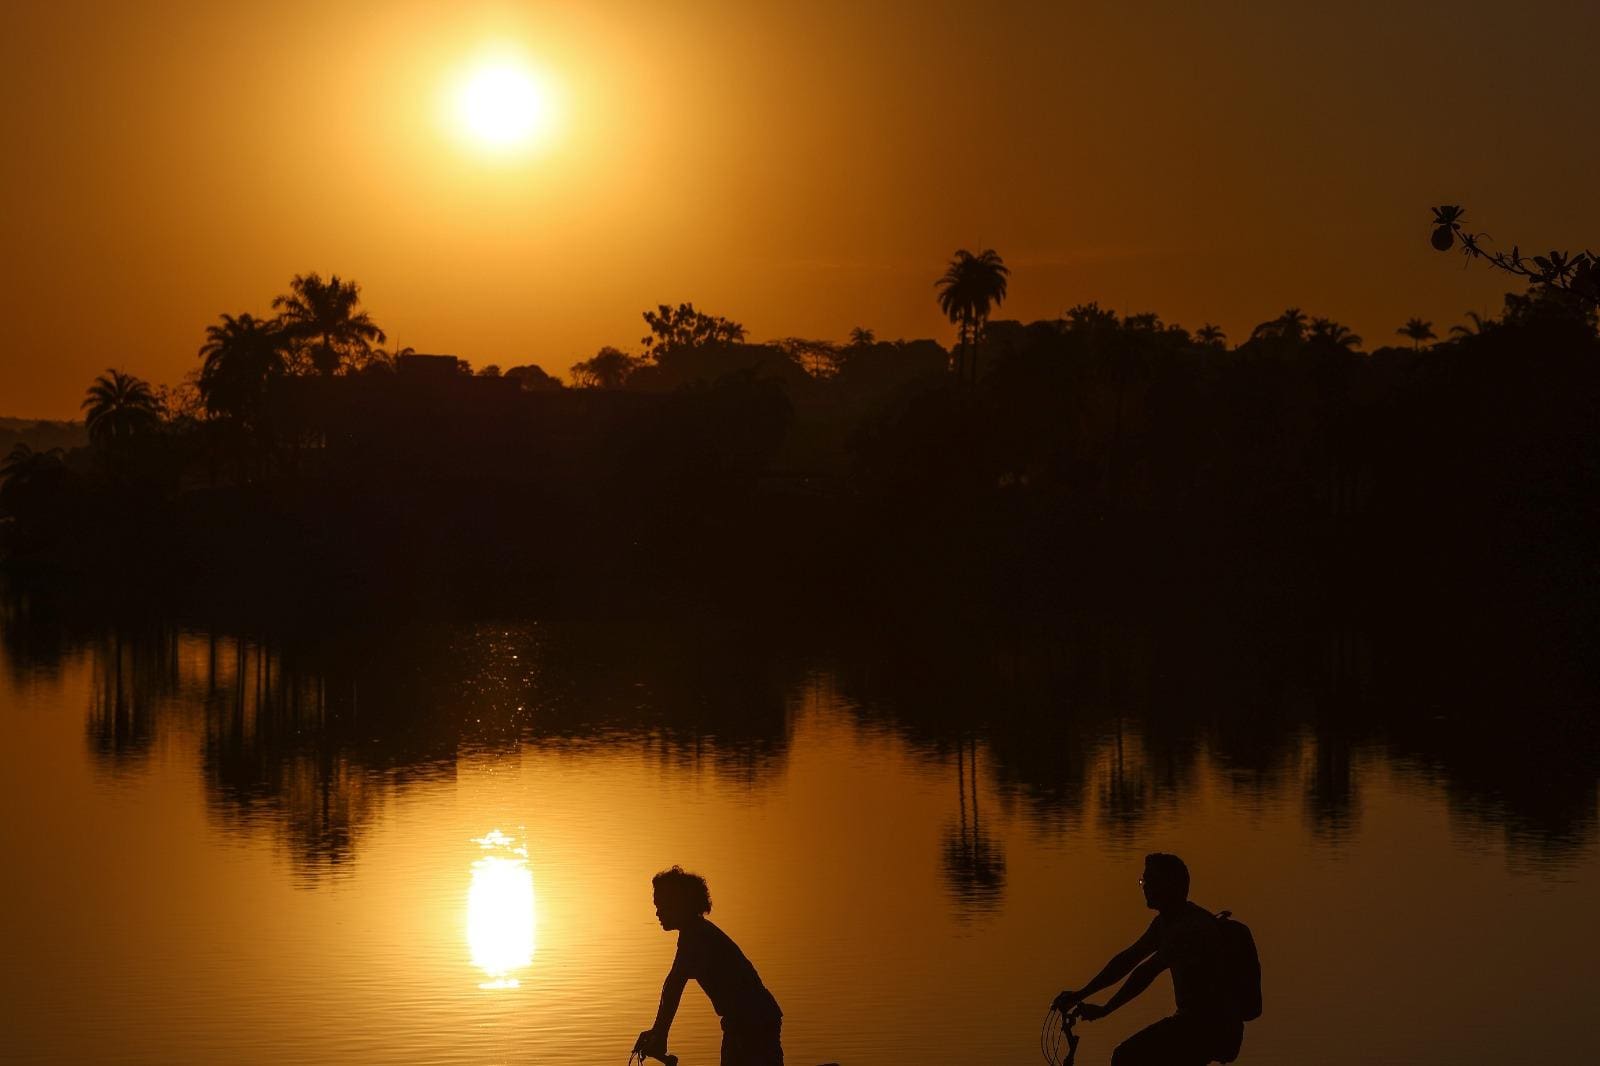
(500, 910)
(502, 105)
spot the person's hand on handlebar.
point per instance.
(1091, 1012)
(651, 1043)
(1066, 1001)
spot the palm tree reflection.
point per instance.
(121, 724)
(974, 865)
(500, 910)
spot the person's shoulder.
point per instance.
(1184, 922)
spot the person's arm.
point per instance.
(1120, 966)
(1142, 976)
(671, 995)
(653, 1041)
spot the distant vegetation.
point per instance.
(302, 447)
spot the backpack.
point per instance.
(1241, 966)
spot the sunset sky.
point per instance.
(803, 168)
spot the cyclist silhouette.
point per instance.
(1186, 939)
(751, 1020)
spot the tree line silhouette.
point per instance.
(1020, 459)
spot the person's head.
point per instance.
(680, 897)
(1165, 881)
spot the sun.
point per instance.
(503, 106)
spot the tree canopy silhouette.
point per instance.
(1327, 331)
(29, 477)
(676, 328)
(1289, 326)
(609, 368)
(534, 378)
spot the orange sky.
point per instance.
(802, 168)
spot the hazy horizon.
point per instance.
(803, 170)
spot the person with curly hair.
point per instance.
(751, 1020)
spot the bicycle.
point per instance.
(1057, 1032)
(640, 1058)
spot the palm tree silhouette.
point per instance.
(325, 312)
(17, 460)
(389, 358)
(240, 356)
(1211, 336)
(23, 462)
(1335, 333)
(1418, 331)
(1291, 325)
(970, 286)
(27, 478)
(1479, 324)
(120, 407)
(862, 337)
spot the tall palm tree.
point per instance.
(1211, 336)
(120, 407)
(1418, 331)
(324, 312)
(240, 356)
(971, 285)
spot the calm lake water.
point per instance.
(433, 844)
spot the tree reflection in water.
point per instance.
(974, 865)
(306, 733)
(121, 723)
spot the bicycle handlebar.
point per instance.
(641, 1057)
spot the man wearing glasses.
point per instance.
(1186, 939)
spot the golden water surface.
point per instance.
(217, 853)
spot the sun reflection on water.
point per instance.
(500, 910)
